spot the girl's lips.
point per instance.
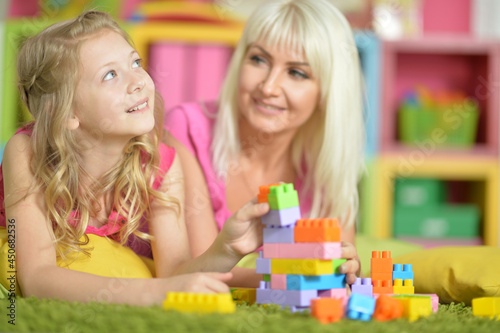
(139, 107)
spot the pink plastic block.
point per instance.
(278, 281)
(325, 251)
(335, 293)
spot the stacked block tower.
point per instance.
(300, 257)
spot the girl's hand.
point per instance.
(242, 233)
(352, 266)
(199, 283)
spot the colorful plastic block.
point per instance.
(286, 297)
(244, 295)
(318, 282)
(301, 266)
(327, 310)
(360, 307)
(416, 307)
(281, 217)
(387, 308)
(405, 287)
(302, 250)
(262, 265)
(200, 303)
(488, 307)
(381, 265)
(282, 196)
(382, 287)
(279, 281)
(336, 265)
(264, 192)
(279, 235)
(266, 277)
(317, 231)
(363, 287)
(403, 272)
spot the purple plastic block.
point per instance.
(279, 234)
(286, 297)
(263, 266)
(363, 287)
(281, 217)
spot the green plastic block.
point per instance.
(419, 192)
(267, 277)
(336, 265)
(283, 196)
(453, 221)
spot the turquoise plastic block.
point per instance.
(283, 196)
(315, 282)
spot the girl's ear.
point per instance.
(73, 122)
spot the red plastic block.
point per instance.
(317, 231)
(381, 265)
(264, 192)
(382, 287)
(327, 310)
(387, 308)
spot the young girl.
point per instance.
(89, 174)
(290, 110)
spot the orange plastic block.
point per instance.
(317, 231)
(381, 265)
(264, 192)
(244, 295)
(404, 288)
(382, 287)
(387, 308)
(327, 310)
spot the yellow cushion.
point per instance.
(456, 274)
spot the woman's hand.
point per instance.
(243, 231)
(352, 266)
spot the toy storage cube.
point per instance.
(418, 192)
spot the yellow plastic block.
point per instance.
(301, 266)
(241, 295)
(405, 288)
(488, 307)
(416, 307)
(199, 303)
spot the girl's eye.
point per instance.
(298, 74)
(137, 63)
(109, 75)
(257, 59)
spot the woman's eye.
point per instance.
(137, 63)
(298, 74)
(109, 75)
(257, 59)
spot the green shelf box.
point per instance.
(419, 192)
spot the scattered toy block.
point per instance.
(286, 297)
(415, 307)
(322, 251)
(199, 303)
(301, 266)
(317, 231)
(488, 307)
(403, 272)
(360, 307)
(317, 282)
(244, 295)
(327, 310)
(281, 217)
(282, 196)
(363, 287)
(382, 287)
(279, 235)
(405, 287)
(387, 308)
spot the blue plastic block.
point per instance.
(297, 298)
(403, 272)
(319, 282)
(360, 307)
(363, 287)
(262, 265)
(279, 234)
(281, 217)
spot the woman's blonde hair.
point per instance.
(327, 151)
(48, 68)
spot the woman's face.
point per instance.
(276, 90)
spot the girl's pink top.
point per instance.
(115, 220)
(192, 124)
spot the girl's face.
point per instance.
(114, 96)
(276, 90)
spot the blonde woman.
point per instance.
(290, 110)
(86, 179)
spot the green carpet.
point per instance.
(33, 315)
